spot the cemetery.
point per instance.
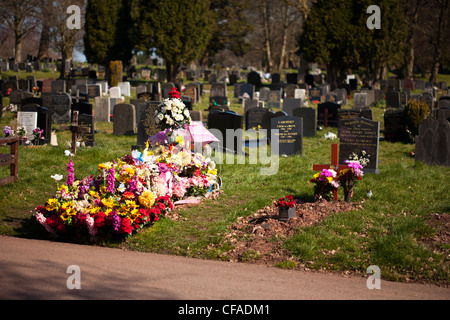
(178, 164)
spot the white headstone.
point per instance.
(115, 92)
(28, 120)
(300, 94)
(125, 88)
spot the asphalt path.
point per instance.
(46, 270)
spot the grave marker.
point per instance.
(309, 116)
(290, 134)
(124, 119)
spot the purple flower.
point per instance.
(8, 131)
(70, 176)
(111, 179)
(115, 220)
(162, 168)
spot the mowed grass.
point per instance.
(388, 231)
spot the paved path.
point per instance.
(35, 269)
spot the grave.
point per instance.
(289, 136)
(290, 104)
(254, 117)
(124, 119)
(146, 123)
(102, 109)
(246, 88)
(309, 116)
(360, 100)
(223, 122)
(274, 100)
(218, 101)
(196, 115)
(433, 142)
(264, 94)
(315, 95)
(393, 99)
(58, 86)
(328, 114)
(395, 126)
(358, 135)
(87, 132)
(27, 120)
(290, 91)
(43, 120)
(94, 91)
(61, 107)
(125, 88)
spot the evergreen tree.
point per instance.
(182, 30)
(108, 29)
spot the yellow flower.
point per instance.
(179, 140)
(52, 204)
(147, 199)
(105, 165)
(107, 212)
(109, 203)
(94, 194)
(212, 172)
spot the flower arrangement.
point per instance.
(8, 131)
(286, 202)
(125, 195)
(349, 177)
(326, 183)
(172, 112)
(37, 134)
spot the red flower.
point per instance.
(100, 220)
(125, 226)
(174, 94)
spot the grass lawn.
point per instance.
(388, 231)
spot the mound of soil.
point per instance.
(253, 236)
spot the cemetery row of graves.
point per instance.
(314, 126)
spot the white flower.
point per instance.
(67, 153)
(56, 177)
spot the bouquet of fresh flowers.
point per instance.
(325, 184)
(286, 202)
(349, 177)
(37, 134)
(8, 131)
(172, 112)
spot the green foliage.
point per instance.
(415, 113)
(336, 34)
(108, 30)
(181, 29)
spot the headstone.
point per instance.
(300, 94)
(196, 115)
(254, 79)
(264, 94)
(28, 120)
(218, 101)
(292, 78)
(58, 86)
(43, 120)
(124, 119)
(433, 142)
(223, 121)
(290, 134)
(16, 97)
(419, 84)
(274, 100)
(9, 85)
(146, 122)
(87, 136)
(23, 85)
(290, 91)
(254, 118)
(309, 116)
(328, 114)
(61, 107)
(276, 78)
(315, 94)
(290, 104)
(393, 99)
(102, 109)
(115, 93)
(47, 85)
(360, 100)
(191, 92)
(125, 88)
(357, 135)
(247, 88)
(93, 91)
(395, 126)
(408, 83)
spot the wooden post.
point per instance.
(11, 159)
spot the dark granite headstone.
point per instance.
(357, 135)
(124, 119)
(146, 122)
(309, 116)
(289, 136)
(328, 114)
(61, 107)
(254, 117)
(223, 122)
(395, 128)
(433, 142)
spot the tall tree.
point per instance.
(108, 31)
(182, 30)
(442, 31)
(19, 16)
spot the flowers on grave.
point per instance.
(326, 183)
(8, 131)
(8, 92)
(172, 112)
(127, 193)
(37, 134)
(348, 177)
(286, 202)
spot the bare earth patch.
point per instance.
(255, 237)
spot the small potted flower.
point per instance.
(37, 135)
(349, 177)
(8, 132)
(286, 208)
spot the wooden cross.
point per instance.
(75, 128)
(334, 165)
(326, 116)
